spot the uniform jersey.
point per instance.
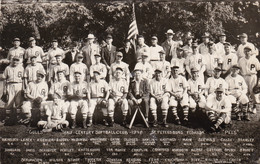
(34, 51)
(165, 66)
(101, 68)
(123, 65)
(78, 67)
(212, 84)
(240, 49)
(19, 51)
(79, 89)
(30, 71)
(14, 74)
(56, 111)
(179, 62)
(211, 61)
(203, 49)
(154, 52)
(118, 88)
(53, 52)
(98, 90)
(249, 66)
(158, 88)
(195, 86)
(147, 68)
(229, 60)
(63, 87)
(220, 48)
(61, 67)
(236, 83)
(37, 90)
(187, 50)
(194, 61)
(224, 105)
(177, 85)
(141, 49)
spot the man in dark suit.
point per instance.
(139, 92)
(128, 55)
(70, 55)
(108, 52)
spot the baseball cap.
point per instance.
(170, 32)
(96, 72)
(16, 57)
(54, 40)
(236, 66)
(16, 39)
(57, 55)
(138, 69)
(140, 36)
(97, 55)
(145, 54)
(91, 36)
(194, 44)
(205, 35)
(41, 72)
(119, 54)
(210, 43)
(109, 36)
(154, 37)
(57, 94)
(119, 69)
(222, 34)
(243, 35)
(226, 44)
(33, 56)
(31, 39)
(162, 52)
(194, 69)
(218, 69)
(248, 48)
(158, 71)
(60, 71)
(219, 89)
(77, 72)
(79, 55)
(179, 49)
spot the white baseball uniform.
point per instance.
(196, 87)
(34, 51)
(19, 51)
(124, 66)
(101, 68)
(179, 62)
(147, 68)
(53, 52)
(78, 67)
(240, 49)
(212, 84)
(60, 67)
(165, 66)
(30, 72)
(211, 61)
(228, 61)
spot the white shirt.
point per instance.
(249, 66)
(240, 49)
(154, 52)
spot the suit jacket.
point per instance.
(144, 90)
(129, 57)
(88, 54)
(108, 57)
(68, 59)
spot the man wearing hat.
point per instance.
(55, 50)
(228, 59)
(203, 47)
(139, 92)
(30, 72)
(244, 43)
(141, 48)
(163, 65)
(155, 50)
(218, 109)
(33, 50)
(121, 64)
(35, 94)
(237, 90)
(177, 92)
(89, 50)
(78, 99)
(118, 93)
(147, 68)
(195, 60)
(214, 82)
(56, 113)
(98, 97)
(60, 66)
(211, 59)
(108, 53)
(249, 67)
(158, 97)
(13, 84)
(195, 91)
(70, 56)
(169, 45)
(99, 67)
(187, 48)
(80, 67)
(180, 61)
(16, 50)
(220, 45)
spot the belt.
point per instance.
(13, 82)
(154, 60)
(96, 97)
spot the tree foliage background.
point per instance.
(73, 21)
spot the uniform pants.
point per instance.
(53, 124)
(94, 102)
(78, 104)
(219, 117)
(251, 82)
(164, 105)
(14, 95)
(112, 102)
(201, 103)
(145, 103)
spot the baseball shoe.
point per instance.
(238, 118)
(246, 117)
(73, 126)
(105, 122)
(155, 124)
(185, 121)
(46, 130)
(177, 120)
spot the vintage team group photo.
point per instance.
(84, 66)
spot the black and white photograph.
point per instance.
(129, 82)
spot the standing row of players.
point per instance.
(154, 82)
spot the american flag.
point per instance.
(133, 30)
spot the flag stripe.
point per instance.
(133, 30)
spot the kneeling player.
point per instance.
(237, 93)
(56, 113)
(35, 93)
(98, 95)
(218, 109)
(158, 97)
(195, 91)
(78, 99)
(119, 90)
(177, 88)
